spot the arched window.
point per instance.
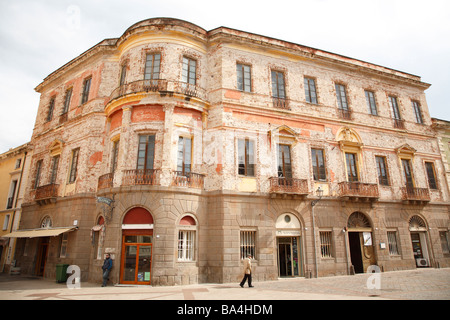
(187, 236)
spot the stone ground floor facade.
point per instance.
(173, 235)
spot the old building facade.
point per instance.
(179, 150)
(14, 169)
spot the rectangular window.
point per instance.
(12, 194)
(246, 158)
(326, 244)
(318, 164)
(352, 167)
(310, 90)
(85, 92)
(67, 98)
(18, 163)
(6, 222)
(51, 107)
(63, 245)
(284, 161)
(392, 242)
(371, 104)
(123, 75)
(407, 173)
(115, 155)
(394, 108)
(189, 71)
(54, 172)
(184, 155)
(74, 165)
(417, 112)
(152, 66)
(278, 86)
(186, 245)
(244, 77)
(383, 177)
(431, 174)
(37, 176)
(146, 152)
(341, 95)
(445, 241)
(248, 243)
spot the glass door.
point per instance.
(136, 260)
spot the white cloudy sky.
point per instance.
(39, 36)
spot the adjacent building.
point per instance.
(14, 168)
(179, 150)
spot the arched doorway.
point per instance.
(418, 231)
(362, 253)
(289, 248)
(137, 239)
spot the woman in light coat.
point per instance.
(247, 271)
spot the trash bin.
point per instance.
(61, 272)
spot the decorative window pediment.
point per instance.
(348, 137)
(56, 147)
(406, 151)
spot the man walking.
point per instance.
(247, 271)
(107, 266)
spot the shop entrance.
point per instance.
(418, 231)
(289, 257)
(289, 252)
(136, 259)
(137, 245)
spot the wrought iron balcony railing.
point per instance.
(358, 190)
(162, 86)
(288, 185)
(415, 194)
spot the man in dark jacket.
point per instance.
(107, 266)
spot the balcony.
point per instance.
(415, 195)
(46, 194)
(281, 103)
(399, 124)
(164, 87)
(188, 179)
(345, 114)
(358, 191)
(105, 181)
(140, 177)
(288, 186)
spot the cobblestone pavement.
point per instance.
(420, 284)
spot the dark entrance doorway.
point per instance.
(355, 251)
(41, 258)
(289, 257)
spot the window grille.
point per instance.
(326, 244)
(248, 243)
(392, 241)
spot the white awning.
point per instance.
(35, 233)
